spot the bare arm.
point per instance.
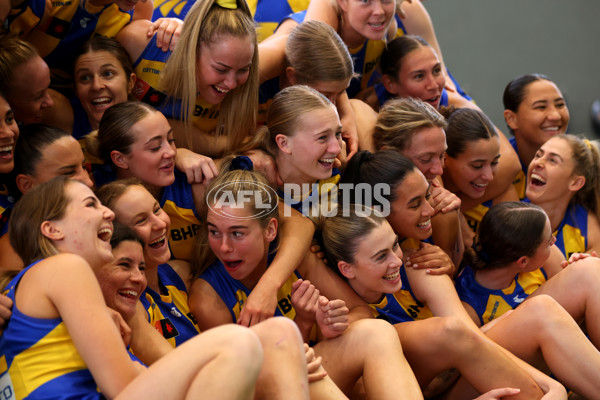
(147, 343)
(271, 58)
(295, 232)
(95, 335)
(207, 306)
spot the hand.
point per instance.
(349, 134)
(124, 329)
(265, 164)
(197, 168)
(316, 249)
(341, 159)
(399, 10)
(167, 31)
(432, 258)
(316, 372)
(443, 200)
(497, 394)
(5, 310)
(304, 300)
(260, 305)
(332, 317)
(576, 257)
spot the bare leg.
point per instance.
(369, 348)
(577, 289)
(284, 374)
(542, 333)
(437, 344)
(203, 367)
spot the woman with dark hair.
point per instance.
(534, 110)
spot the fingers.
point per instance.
(167, 32)
(5, 309)
(496, 394)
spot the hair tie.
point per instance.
(587, 143)
(229, 4)
(243, 163)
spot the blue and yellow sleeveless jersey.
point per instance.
(178, 202)
(81, 123)
(401, 306)
(7, 202)
(318, 198)
(475, 215)
(39, 360)
(171, 8)
(267, 13)
(234, 294)
(490, 303)
(67, 26)
(520, 182)
(147, 69)
(571, 234)
(365, 58)
(266, 91)
(169, 313)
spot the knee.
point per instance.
(372, 332)
(585, 272)
(456, 331)
(544, 311)
(240, 340)
(278, 331)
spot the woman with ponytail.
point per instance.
(564, 179)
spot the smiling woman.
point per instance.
(534, 110)
(472, 162)
(73, 234)
(563, 178)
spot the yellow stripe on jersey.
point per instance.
(41, 361)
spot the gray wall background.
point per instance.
(486, 43)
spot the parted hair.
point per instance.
(400, 119)
(508, 231)
(206, 23)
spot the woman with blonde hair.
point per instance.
(210, 80)
(417, 130)
(315, 56)
(564, 179)
(58, 307)
(303, 134)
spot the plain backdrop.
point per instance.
(486, 43)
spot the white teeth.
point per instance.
(537, 178)
(158, 240)
(327, 160)
(221, 90)
(105, 232)
(101, 100)
(551, 128)
(6, 149)
(480, 185)
(129, 292)
(424, 224)
(391, 277)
